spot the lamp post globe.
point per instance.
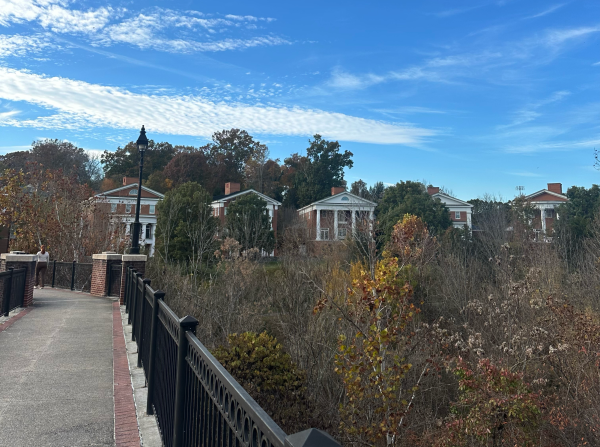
(142, 145)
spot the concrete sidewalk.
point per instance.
(56, 373)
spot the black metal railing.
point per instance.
(12, 289)
(72, 275)
(195, 400)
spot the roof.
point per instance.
(151, 191)
(442, 195)
(227, 197)
(357, 199)
(561, 197)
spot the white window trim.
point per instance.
(113, 207)
(152, 209)
(133, 192)
(342, 233)
(457, 214)
(341, 217)
(128, 208)
(324, 232)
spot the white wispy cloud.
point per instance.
(76, 105)
(558, 37)
(563, 146)
(157, 28)
(547, 11)
(21, 45)
(531, 111)
(525, 174)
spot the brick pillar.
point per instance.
(101, 270)
(138, 262)
(19, 260)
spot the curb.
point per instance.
(126, 425)
(8, 323)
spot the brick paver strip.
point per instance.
(8, 323)
(126, 425)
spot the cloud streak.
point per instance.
(157, 28)
(77, 105)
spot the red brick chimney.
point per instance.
(337, 190)
(129, 180)
(231, 187)
(555, 187)
(431, 190)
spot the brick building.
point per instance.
(546, 202)
(122, 202)
(233, 192)
(460, 211)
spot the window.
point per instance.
(457, 215)
(341, 233)
(342, 216)
(225, 213)
(148, 231)
(152, 209)
(325, 234)
(345, 199)
(133, 192)
(113, 207)
(549, 213)
(128, 208)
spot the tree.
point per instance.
(249, 223)
(411, 198)
(313, 176)
(124, 162)
(55, 154)
(188, 165)
(578, 213)
(186, 228)
(373, 193)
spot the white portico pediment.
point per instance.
(450, 201)
(341, 201)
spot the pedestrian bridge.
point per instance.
(66, 380)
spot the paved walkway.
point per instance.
(56, 373)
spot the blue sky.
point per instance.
(477, 96)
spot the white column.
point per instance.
(543, 218)
(371, 221)
(318, 224)
(142, 231)
(353, 221)
(335, 224)
(271, 214)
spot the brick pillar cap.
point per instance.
(135, 258)
(8, 257)
(107, 256)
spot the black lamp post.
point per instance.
(142, 144)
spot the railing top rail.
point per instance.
(171, 320)
(260, 418)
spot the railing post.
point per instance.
(126, 282)
(134, 310)
(158, 295)
(141, 340)
(53, 272)
(7, 291)
(185, 324)
(311, 438)
(73, 276)
(132, 276)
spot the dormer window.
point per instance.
(133, 192)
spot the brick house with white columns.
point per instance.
(232, 192)
(460, 211)
(335, 217)
(546, 202)
(122, 202)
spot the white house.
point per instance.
(460, 211)
(122, 202)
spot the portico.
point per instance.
(337, 217)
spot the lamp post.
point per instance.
(142, 144)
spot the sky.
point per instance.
(477, 96)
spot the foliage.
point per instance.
(577, 215)
(186, 229)
(55, 210)
(411, 198)
(249, 223)
(313, 176)
(259, 363)
(125, 161)
(373, 193)
(495, 407)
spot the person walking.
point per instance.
(41, 266)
